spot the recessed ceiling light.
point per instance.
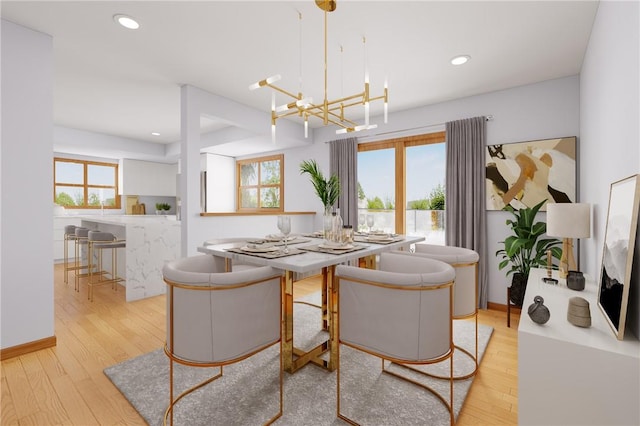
(155, 133)
(460, 59)
(126, 21)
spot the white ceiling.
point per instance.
(127, 83)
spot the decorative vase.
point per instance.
(578, 312)
(518, 287)
(327, 222)
(538, 312)
(575, 280)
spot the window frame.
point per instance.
(400, 145)
(259, 186)
(85, 185)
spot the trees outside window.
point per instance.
(401, 183)
(82, 184)
(261, 184)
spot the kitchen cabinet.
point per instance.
(148, 178)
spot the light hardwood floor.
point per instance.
(65, 384)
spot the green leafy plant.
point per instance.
(437, 198)
(163, 206)
(328, 190)
(524, 249)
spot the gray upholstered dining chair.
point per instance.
(230, 265)
(401, 312)
(216, 318)
(465, 288)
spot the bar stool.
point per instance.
(99, 241)
(81, 239)
(69, 235)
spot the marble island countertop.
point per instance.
(128, 219)
(150, 242)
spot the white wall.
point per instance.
(543, 110)
(27, 178)
(609, 125)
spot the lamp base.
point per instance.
(567, 261)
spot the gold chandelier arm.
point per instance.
(321, 115)
(282, 91)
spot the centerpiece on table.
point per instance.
(328, 190)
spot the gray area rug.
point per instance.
(247, 393)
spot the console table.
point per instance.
(572, 375)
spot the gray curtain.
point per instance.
(466, 223)
(344, 162)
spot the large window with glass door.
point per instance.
(261, 184)
(401, 186)
(82, 184)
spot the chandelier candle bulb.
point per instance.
(266, 82)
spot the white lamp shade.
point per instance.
(569, 220)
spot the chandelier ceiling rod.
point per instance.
(330, 112)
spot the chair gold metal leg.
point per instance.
(287, 323)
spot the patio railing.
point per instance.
(427, 223)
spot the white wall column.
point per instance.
(26, 210)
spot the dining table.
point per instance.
(307, 253)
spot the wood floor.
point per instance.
(65, 384)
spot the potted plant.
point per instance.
(328, 190)
(524, 249)
(162, 208)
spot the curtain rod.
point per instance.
(486, 118)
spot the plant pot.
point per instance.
(518, 287)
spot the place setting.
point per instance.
(338, 242)
(273, 245)
(334, 247)
(377, 237)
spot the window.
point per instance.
(261, 184)
(85, 184)
(401, 185)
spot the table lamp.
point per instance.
(568, 221)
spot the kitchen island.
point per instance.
(151, 241)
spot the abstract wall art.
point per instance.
(522, 174)
(617, 254)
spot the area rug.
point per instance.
(247, 393)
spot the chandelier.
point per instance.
(329, 111)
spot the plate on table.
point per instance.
(379, 237)
(279, 237)
(262, 248)
(336, 246)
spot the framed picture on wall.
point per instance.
(617, 253)
(523, 174)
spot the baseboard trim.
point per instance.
(502, 307)
(25, 348)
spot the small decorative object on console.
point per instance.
(578, 312)
(575, 280)
(538, 312)
(548, 279)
